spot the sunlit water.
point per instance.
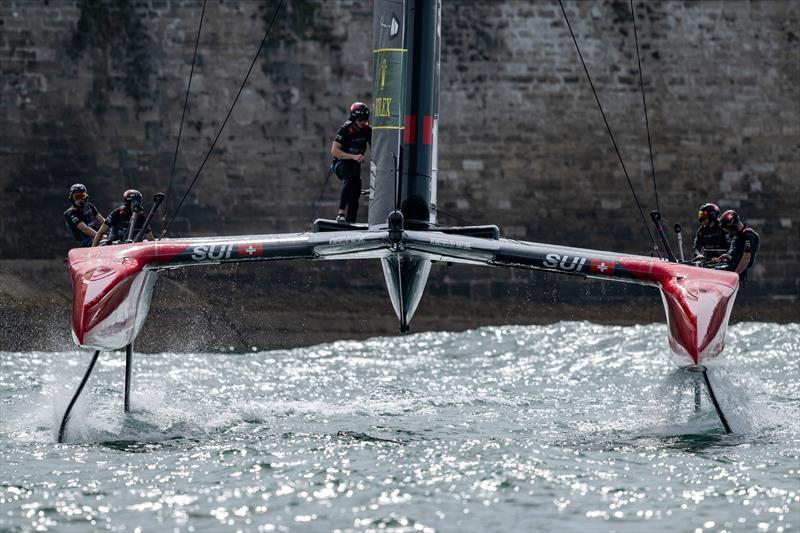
(568, 427)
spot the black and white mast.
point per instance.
(405, 111)
(406, 88)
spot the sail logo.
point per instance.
(447, 243)
(213, 252)
(348, 239)
(384, 69)
(565, 262)
(383, 107)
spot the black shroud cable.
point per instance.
(180, 130)
(644, 104)
(614, 142)
(224, 122)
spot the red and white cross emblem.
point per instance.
(602, 267)
(250, 250)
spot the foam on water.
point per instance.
(570, 426)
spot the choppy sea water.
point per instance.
(567, 427)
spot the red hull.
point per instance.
(112, 285)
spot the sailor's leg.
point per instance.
(354, 193)
(716, 403)
(63, 428)
(343, 197)
(340, 169)
(128, 370)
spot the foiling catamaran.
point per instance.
(112, 285)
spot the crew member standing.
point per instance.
(709, 241)
(82, 218)
(744, 245)
(118, 222)
(348, 151)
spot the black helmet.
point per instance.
(359, 110)
(132, 196)
(708, 212)
(78, 188)
(729, 220)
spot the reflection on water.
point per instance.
(570, 427)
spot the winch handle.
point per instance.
(680, 242)
(157, 199)
(656, 216)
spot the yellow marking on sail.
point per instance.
(384, 68)
(389, 50)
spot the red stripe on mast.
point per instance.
(410, 132)
(427, 130)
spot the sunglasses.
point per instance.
(76, 196)
(362, 119)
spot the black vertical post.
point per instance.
(420, 87)
(157, 199)
(679, 234)
(134, 216)
(656, 216)
(128, 369)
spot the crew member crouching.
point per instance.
(117, 224)
(709, 241)
(82, 218)
(348, 148)
(744, 244)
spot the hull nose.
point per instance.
(406, 276)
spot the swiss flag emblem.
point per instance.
(250, 250)
(602, 267)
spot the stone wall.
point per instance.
(93, 92)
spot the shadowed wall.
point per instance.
(92, 92)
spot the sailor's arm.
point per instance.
(338, 153)
(100, 234)
(727, 256)
(743, 262)
(722, 258)
(698, 253)
(86, 230)
(99, 218)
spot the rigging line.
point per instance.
(224, 122)
(644, 104)
(324, 184)
(619, 155)
(440, 212)
(396, 182)
(180, 130)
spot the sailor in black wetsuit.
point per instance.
(117, 223)
(709, 241)
(348, 150)
(744, 245)
(82, 218)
